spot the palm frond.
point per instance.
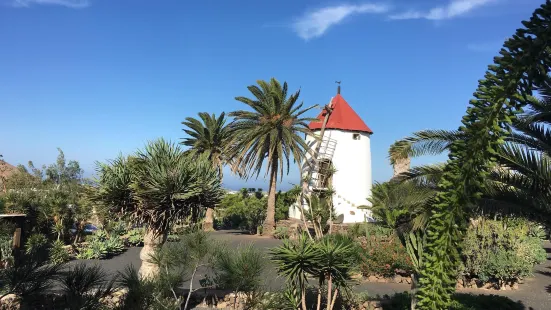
(426, 142)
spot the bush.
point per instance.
(58, 253)
(401, 301)
(117, 228)
(368, 230)
(383, 256)
(6, 256)
(114, 245)
(243, 213)
(101, 246)
(135, 237)
(502, 251)
(173, 238)
(36, 243)
(95, 249)
(281, 233)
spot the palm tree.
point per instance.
(520, 183)
(211, 137)
(270, 132)
(157, 187)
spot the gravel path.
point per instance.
(535, 293)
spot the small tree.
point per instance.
(158, 187)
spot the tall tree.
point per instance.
(269, 134)
(156, 187)
(211, 136)
(524, 63)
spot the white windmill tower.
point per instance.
(346, 146)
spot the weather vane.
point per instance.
(339, 87)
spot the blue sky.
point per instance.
(101, 77)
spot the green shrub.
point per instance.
(401, 301)
(135, 237)
(58, 253)
(281, 233)
(243, 213)
(172, 238)
(114, 245)
(36, 243)
(117, 228)
(368, 230)
(504, 250)
(95, 249)
(6, 255)
(101, 246)
(383, 256)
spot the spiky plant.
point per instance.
(523, 65)
(269, 135)
(157, 187)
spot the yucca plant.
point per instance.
(330, 260)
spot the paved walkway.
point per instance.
(535, 293)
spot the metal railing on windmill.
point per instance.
(317, 179)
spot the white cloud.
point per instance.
(453, 9)
(74, 4)
(315, 24)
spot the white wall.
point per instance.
(352, 181)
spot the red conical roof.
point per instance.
(343, 117)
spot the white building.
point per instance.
(346, 147)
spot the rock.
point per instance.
(221, 305)
(408, 280)
(397, 279)
(487, 286)
(505, 287)
(372, 278)
(382, 280)
(459, 283)
(514, 286)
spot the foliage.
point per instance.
(523, 63)
(368, 229)
(284, 200)
(6, 252)
(83, 287)
(281, 232)
(211, 137)
(384, 256)
(159, 186)
(320, 211)
(58, 253)
(53, 198)
(100, 246)
(270, 132)
(36, 243)
(243, 213)
(330, 260)
(135, 237)
(240, 270)
(117, 228)
(401, 301)
(500, 250)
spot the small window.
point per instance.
(356, 136)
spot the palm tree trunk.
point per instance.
(151, 241)
(269, 222)
(208, 222)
